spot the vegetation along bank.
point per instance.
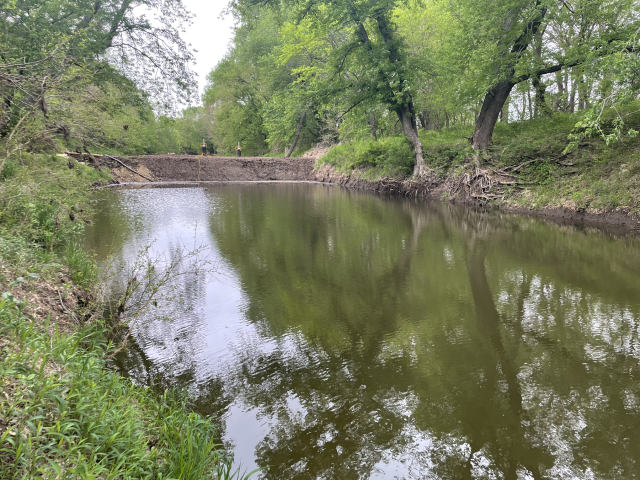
(524, 104)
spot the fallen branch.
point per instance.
(93, 159)
(128, 167)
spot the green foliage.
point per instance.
(9, 170)
(595, 177)
(80, 72)
(45, 201)
(68, 416)
(81, 264)
(64, 413)
(389, 156)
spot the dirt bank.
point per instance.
(190, 168)
(434, 189)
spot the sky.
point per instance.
(209, 34)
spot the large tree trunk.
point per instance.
(295, 140)
(497, 95)
(410, 129)
(492, 105)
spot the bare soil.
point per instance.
(192, 168)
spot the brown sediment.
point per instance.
(192, 168)
(55, 299)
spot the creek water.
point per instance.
(347, 335)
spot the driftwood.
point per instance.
(93, 159)
(128, 167)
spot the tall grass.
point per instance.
(391, 156)
(68, 416)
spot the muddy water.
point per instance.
(347, 335)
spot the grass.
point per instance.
(63, 412)
(387, 157)
(595, 178)
(68, 416)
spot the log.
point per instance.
(128, 167)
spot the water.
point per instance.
(348, 335)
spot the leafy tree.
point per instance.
(55, 54)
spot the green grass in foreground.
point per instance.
(66, 415)
(595, 178)
(63, 412)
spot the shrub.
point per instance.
(390, 156)
(9, 170)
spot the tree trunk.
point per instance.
(295, 140)
(374, 126)
(504, 113)
(583, 94)
(411, 131)
(497, 95)
(541, 108)
(572, 99)
(492, 105)
(559, 100)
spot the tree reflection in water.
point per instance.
(391, 338)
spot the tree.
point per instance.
(505, 30)
(371, 66)
(54, 52)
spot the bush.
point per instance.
(391, 156)
(9, 170)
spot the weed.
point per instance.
(8, 171)
(68, 416)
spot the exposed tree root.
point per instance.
(481, 184)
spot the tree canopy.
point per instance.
(83, 70)
(301, 72)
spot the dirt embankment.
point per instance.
(435, 188)
(191, 168)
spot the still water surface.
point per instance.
(348, 335)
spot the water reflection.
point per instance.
(353, 336)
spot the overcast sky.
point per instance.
(209, 34)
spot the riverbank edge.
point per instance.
(434, 189)
(65, 410)
(186, 170)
